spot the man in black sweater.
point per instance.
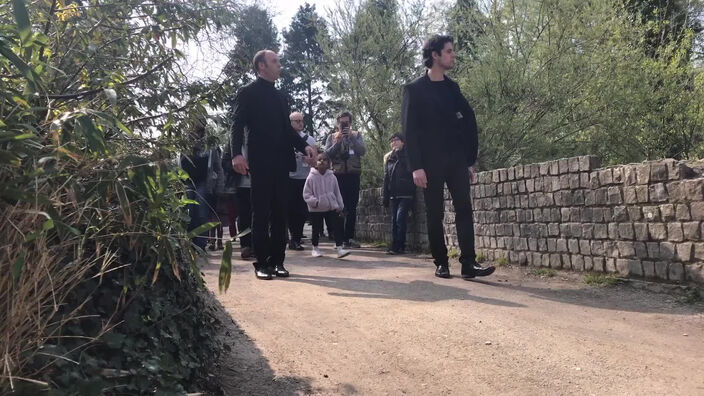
(263, 111)
(442, 144)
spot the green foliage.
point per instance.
(99, 283)
(373, 52)
(453, 253)
(480, 257)
(599, 279)
(502, 261)
(304, 76)
(553, 79)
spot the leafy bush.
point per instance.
(99, 286)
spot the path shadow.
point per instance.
(611, 298)
(417, 290)
(242, 368)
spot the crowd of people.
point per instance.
(272, 177)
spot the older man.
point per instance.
(263, 111)
(297, 208)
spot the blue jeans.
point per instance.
(399, 222)
(198, 213)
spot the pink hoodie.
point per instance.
(321, 192)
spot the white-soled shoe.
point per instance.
(341, 252)
(316, 252)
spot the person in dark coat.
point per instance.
(195, 164)
(398, 192)
(263, 111)
(442, 144)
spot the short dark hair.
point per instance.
(397, 136)
(344, 114)
(259, 57)
(434, 44)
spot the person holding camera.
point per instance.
(345, 148)
(398, 192)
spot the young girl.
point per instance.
(322, 195)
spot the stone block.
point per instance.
(626, 249)
(697, 211)
(629, 267)
(693, 189)
(561, 245)
(618, 175)
(589, 162)
(620, 214)
(598, 264)
(598, 215)
(577, 262)
(648, 269)
(587, 231)
(629, 175)
(635, 213)
(613, 231)
(573, 246)
(543, 168)
(585, 247)
(641, 231)
(597, 248)
(651, 213)
(674, 232)
(694, 272)
(676, 191)
(555, 261)
(610, 265)
(566, 261)
(657, 231)
(657, 192)
(600, 231)
(625, 231)
(642, 194)
(584, 180)
(573, 164)
(667, 251)
(554, 229)
(563, 165)
(606, 177)
(660, 270)
(676, 272)
(611, 249)
(658, 172)
(519, 171)
(574, 181)
(667, 212)
(554, 168)
(594, 180)
(510, 174)
(588, 263)
(629, 195)
(641, 250)
(685, 251)
(643, 174)
(614, 196)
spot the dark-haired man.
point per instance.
(263, 112)
(442, 144)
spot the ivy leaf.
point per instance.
(225, 268)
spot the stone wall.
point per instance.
(637, 220)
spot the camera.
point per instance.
(345, 127)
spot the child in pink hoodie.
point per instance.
(322, 194)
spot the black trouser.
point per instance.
(333, 221)
(297, 209)
(453, 171)
(349, 189)
(269, 214)
(244, 215)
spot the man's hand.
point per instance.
(472, 175)
(310, 153)
(337, 137)
(240, 165)
(354, 133)
(420, 179)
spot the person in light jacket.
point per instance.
(322, 195)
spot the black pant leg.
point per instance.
(262, 197)
(435, 212)
(335, 222)
(279, 202)
(297, 209)
(244, 215)
(316, 218)
(459, 186)
(349, 189)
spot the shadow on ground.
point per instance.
(243, 370)
(417, 290)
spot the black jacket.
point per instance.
(427, 124)
(398, 177)
(263, 110)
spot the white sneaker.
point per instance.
(316, 252)
(341, 252)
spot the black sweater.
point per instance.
(261, 109)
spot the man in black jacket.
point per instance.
(399, 192)
(442, 144)
(263, 111)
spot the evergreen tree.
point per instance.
(304, 76)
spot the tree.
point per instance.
(254, 31)
(304, 76)
(374, 51)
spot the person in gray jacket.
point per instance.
(345, 148)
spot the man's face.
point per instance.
(297, 121)
(270, 69)
(396, 144)
(346, 120)
(446, 60)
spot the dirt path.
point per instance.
(374, 324)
